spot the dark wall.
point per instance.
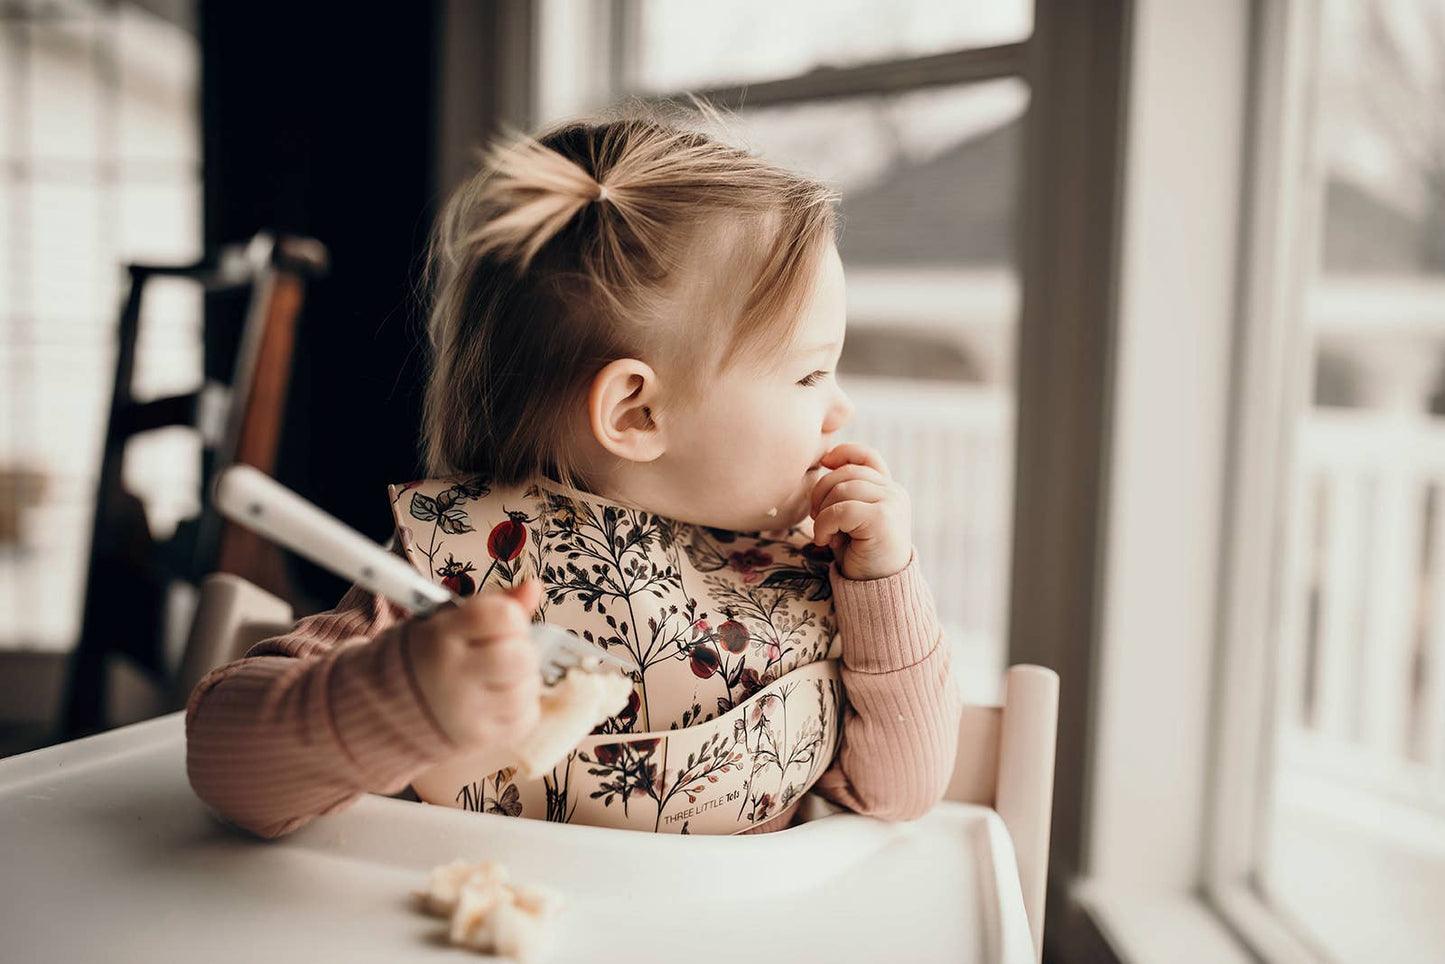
(318, 119)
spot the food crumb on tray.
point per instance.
(489, 913)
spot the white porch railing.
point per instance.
(1362, 680)
(951, 447)
(1362, 629)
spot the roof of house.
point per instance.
(959, 208)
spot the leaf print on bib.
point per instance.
(444, 511)
(626, 770)
(611, 558)
(736, 701)
(558, 789)
(766, 735)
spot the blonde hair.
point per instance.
(586, 244)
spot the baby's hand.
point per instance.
(476, 665)
(862, 513)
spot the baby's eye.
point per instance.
(812, 379)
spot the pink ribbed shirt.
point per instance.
(307, 722)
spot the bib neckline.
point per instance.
(545, 482)
(548, 483)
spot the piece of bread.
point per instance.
(492, 915)
(447, 881)
(571, 708)
(516, 922)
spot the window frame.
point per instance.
(1166, 845)
(1271, 393)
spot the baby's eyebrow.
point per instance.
(816, 349)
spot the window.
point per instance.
(1356, 851)
(928, 174)
(1342, 838)
(100, 152)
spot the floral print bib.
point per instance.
(736, 710)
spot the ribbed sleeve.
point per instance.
(309, 721)
(900, 724)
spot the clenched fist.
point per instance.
(477, 667)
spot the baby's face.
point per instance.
(746, 456)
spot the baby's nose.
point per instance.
(840, 414)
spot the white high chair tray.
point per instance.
(108, 855)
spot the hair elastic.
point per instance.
(601, 192)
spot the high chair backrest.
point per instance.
(231, 614)
(1006, 761)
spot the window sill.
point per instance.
(1143, 927)
(1258, 925)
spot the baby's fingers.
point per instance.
(487, 615)
(858, 490)
(506, 663)
(840, 517)
(516, 708)
(840, 475)
(855, 453)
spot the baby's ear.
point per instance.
(619, 409)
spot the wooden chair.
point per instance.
(240, 420)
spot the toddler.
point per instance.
(631, 430)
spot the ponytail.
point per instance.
(537, 192)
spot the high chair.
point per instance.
(1006, 762)
(232, 614)
(1005, 758)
